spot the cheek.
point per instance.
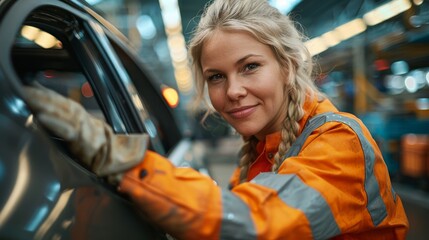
(216, 98)
(280, 94)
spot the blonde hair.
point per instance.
(276, 30)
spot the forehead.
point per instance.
(225, 45)
(224, 38)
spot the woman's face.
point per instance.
(245, 82)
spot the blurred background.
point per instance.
(373, 58)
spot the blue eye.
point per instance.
(251, 66)
(215, 77)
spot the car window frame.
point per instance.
(20, 13)
(119, 109)
(128, 91)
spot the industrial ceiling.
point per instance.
(317, 18)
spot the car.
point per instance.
(45, 192)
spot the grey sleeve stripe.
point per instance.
(312, 124)
(375, 205)
(236, 220)
(310, 202)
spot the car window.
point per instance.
(160, 114)
(68, 54)
(56, 49)
(39, 57)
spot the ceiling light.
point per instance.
(284, 6)
(350, 29)
(386, 11)
(316, 46)
(146, 27)
(30, 32)
(330, 38)
(93, 2)
(46, 40)
(418, 2)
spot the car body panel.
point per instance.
(73, 205)
(45, 192)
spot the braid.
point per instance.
(247, 156)
(290, 126)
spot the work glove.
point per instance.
(90, 139)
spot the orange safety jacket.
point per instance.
(332, 184)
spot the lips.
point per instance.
(242, 112)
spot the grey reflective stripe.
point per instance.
(311, 125)
(310, 202)
(236, 220)
(375, 205)
(393, 194)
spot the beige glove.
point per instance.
(91, 139)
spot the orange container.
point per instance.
(415, 155)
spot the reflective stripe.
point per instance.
(375, 205)
(236, 220)
(310, 202)
(312, 124)
(393, 194)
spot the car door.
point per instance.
(170, 141)
(45, 192)
(179, 148)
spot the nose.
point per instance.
(236, 88)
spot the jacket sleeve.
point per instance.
(183, 202)
(336, 184)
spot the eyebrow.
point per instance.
(246, 57)
(240, 61)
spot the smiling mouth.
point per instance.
(241, 113)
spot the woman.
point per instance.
(307, 171)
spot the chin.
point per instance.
(245, 132)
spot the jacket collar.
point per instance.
(270, 145)
(312, 106)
